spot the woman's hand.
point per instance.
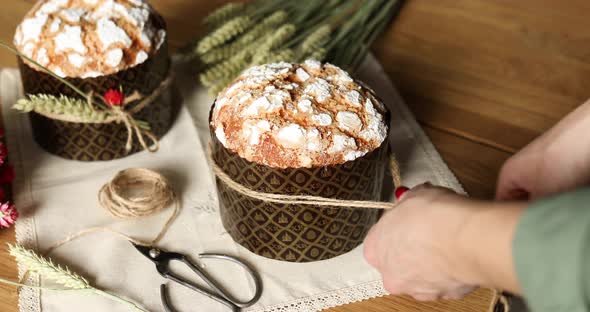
(438, 244)
(413, 246)
(557, 161)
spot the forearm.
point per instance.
(484, 246)
(552, 250)
(570, 137)
(556, 162)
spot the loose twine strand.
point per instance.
(132, 193)
(126, 117)
(306, 199)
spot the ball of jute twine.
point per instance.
(153, 194)
(133, 193)
(306, 199)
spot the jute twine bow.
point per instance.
(120, 115)
(126, 117)
(133, 193)
(306, 199)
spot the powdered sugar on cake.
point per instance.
(88, 38)
(298, 115)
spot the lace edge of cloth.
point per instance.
(30, 300)
(329, 299)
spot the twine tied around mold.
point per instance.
(120, 115)
(306, 199)
(133, 193)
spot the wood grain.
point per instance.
(478, 174)
(497, 72)
(8, 294)
(484, 78)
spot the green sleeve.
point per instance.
(552, 253)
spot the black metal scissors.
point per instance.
(162, 260)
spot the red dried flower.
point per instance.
(3, 153)
(8, 215)
(114, 98)
(7, 174)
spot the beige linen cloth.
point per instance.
(58, 197)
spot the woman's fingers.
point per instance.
(512, 181)
(458, 294)
(400, 192)
(369, 248)
(425, 297)
(403, 192)
(407, 244)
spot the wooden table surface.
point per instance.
(483, 77)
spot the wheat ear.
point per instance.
(224, 52)
(62, 105)
(223, 14)
(224, 34)
(45, 268)
(316, 40)
(318, 55)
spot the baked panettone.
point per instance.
(298, 129)
(298, 115)
(97, 46)
(89, 38)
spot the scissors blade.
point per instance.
(147, 251)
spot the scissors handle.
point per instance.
(216, 292)
(247, 268)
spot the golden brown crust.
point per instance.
(89, 38)
(298, 115)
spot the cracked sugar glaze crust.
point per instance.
(298, 115)
(89, 38)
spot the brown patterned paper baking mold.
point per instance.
(102, 141)
(299, 233)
